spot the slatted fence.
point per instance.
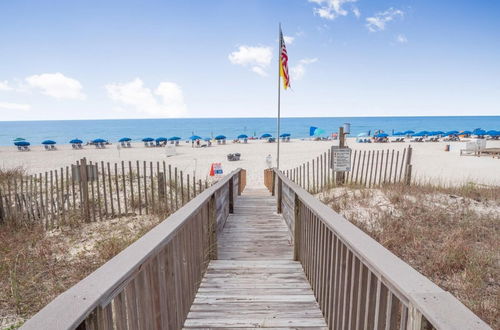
(368, 168)
(95, 191)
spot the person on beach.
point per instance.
(269, 161)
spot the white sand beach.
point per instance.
(430, 161)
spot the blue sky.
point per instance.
(194, 58)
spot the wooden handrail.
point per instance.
(358, 283)
(150, 284)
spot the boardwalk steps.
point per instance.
(255, 283)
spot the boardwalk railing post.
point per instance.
(279, 195)
(273, 183)
(212, 228)
(296, 229)
(231, 196)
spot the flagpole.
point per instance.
(279, 98)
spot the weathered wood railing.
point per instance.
(357, 282)
(152, 283)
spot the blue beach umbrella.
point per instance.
(76, 141)
(381, 135)
(220, 137)
(408, 132)
(22, 143)
(195, 137)
(465, 133)
(19, 139)
(148, 139)
(265, 136)
(479, 131)
(284, 135)
(174, 138)
(398, 133)
(48, 142)
(419, 134)
(493, 133)
(125, 139)
(451, 133)
(161, 139)
(242, 136)
(99, 141)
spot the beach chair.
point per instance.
(19, 148)
(245, 140)
(46, 147)
(102, 145)
(26, 148)
(80, 146)
(52, 147)
(287, 139)
(129, 145)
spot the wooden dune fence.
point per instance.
(368, 168)
(94, 191)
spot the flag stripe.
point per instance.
(284, 62)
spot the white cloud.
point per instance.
(289, 40)
(330, 9)
(257, 58)
(4, 86)
(356, 12)
(380, 19)
(167, 100)
(57, 86)
(298, 71)
(401, 38)
(14, 106)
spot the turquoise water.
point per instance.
(112, 130)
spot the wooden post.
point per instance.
(98, 191)
(279, 196)
(296, 231)
(145, 172)
(104, 189)
(212, 227)
(340, 176)
(176, 190)
(92, 194)
(313, 177)
(139, 186)
(161, 185)
(151, 172)
(85, 189)
(182, 187)
(408, 166)
(273, 176)
(117, 190)
(125, 204)
(170, 193)
(188, 186)
(231, 195)
(110, 190)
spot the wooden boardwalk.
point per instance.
(255, 283)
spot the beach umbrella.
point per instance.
(408, 132)
(99, 141)
(381, 135)
(21, 143)
(398, 133)
(465, 133)
(479, 131)
(125, 139)
(363, 134)
(451, 133)
(174, 138)
(161, 139)
(195, 137)
(285, 135)
(492, 133)
(419, 134)
(49, 142)
(265, 136)
(220, 137)
(76, 141)
(19, 139)
(242, 136)
(438, 133)
(148, 139)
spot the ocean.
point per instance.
(64, 130)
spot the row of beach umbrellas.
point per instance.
(478, 132)
(21, 142)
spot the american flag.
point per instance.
(284, 63)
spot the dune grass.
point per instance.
(449, 234)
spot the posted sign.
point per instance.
(341, 159)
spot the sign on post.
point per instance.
(341, 159)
